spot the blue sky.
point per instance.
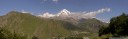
(54, 6)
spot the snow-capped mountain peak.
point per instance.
(63, 12)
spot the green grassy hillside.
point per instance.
(30, 25)
(44, 28)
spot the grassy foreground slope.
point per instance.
(30, 25)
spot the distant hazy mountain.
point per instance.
(85, 23)
(91, 25)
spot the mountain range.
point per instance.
(47, 26)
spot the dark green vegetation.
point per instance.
(41, 28)
(118, 27)
(6, 34)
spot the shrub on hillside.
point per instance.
(6, 34)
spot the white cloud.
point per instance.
(87, 15)
(79, 15)
(94, 13)
(47, 15)
(55, 0)
(43, 1)
(23, 11)
(27, 12)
